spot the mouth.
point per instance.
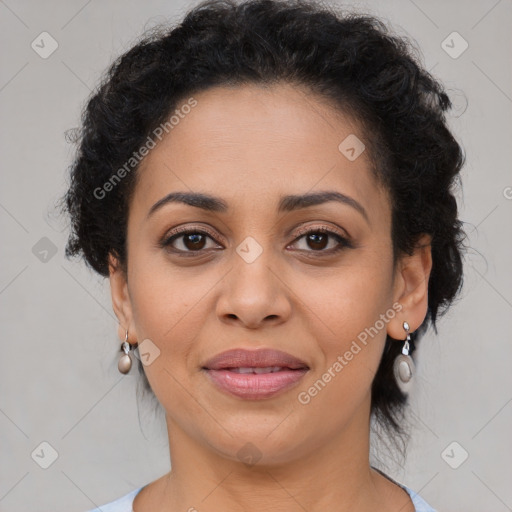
(255, 383)
(258, 371)
(254, 374)
(261, 360)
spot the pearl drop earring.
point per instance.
(403, 366)
(125, 361)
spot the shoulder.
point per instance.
(123, 504)
(419, 503)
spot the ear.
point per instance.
(411, 288)
(121, 302)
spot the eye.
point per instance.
(318, 239)
(194, 241)
(188, 240)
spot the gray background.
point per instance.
(58, 375)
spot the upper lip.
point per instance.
(261, 358)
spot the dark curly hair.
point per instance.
(351, 60)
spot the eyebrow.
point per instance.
(286, 204)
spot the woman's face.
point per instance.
(254, 280)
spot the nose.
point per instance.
(254, 294)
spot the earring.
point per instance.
(403, 366)
(125, 361)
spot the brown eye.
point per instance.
(318, 239)
(194, 241)
(187, 241)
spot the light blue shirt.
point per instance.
(124, 504)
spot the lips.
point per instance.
(254, 361)
(255, 374)
(257, 370)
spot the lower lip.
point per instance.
(252, 386)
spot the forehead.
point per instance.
(250, 144)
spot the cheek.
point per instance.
(350, 336)
(349, 300)
(170, 311)
(350, 311)
(163, 292)
(169, 308)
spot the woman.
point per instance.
(268, 188)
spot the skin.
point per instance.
(249, 146)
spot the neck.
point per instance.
(332, 475)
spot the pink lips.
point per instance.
(277, 372)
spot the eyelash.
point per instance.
(166, 243)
